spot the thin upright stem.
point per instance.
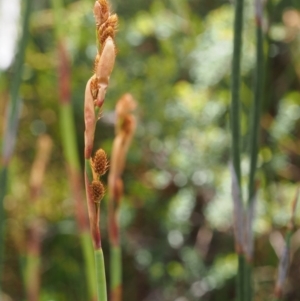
(256, 110)
(235, 88)
(115, 251)
(12, 122)
(101, 279)
(235, 120)
(254, 128)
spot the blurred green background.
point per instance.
(174, 56)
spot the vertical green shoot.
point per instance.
(12, 122)
(254, 128)
(235, 119)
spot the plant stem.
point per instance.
(115, 253)
(3, 181)
(101, 280)
(94, 217)
(240, 283)
(125, 128)
(36, 224)
(12, 123)
(93, 101)
(256, 109)
(86, 244)
(32, 276)
(235, 88)
(235, 121)
(254, 129)
(115, 269)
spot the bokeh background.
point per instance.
(174, 57)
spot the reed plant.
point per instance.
(254, 139)
(96, 166)
(244, 215)
(71, 154)
(11, 121)
(124, 129)
(235, 133)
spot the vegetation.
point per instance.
(214, 151)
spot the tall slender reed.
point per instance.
(11, 125)
(71, 154)
(35, 223)
(96, 166)
(125, 128)
(285, 256)
(235, 126)
(254, 132)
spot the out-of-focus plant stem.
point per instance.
(254, 129)
(125, 128)
(235, 122)
(256, 109)
(285, 260)
(69, 142)
(36, 223)
(12, 117)
(115, 249)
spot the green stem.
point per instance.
(235, 88)
(12, 122)
(254, 130)
(235, 119)
(248, 280)
(89, 263)
(3, 181)
(32, 276)
(115, 269)
(69, 141)
(256, 109)
(100, 272)
(240, 278)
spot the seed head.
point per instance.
(101, 12)
(113, 21)
(98, 191)
(107, 32)
(100, 163)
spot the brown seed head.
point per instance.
(94, 87)
(100, 163)
(98, 191)
(113, 21)
(101, 12)
(97, 59)
(108, 32)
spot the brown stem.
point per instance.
(94, 215)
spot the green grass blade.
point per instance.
(100, 272)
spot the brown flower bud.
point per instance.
(113, 21)
(89, 120)
(107, 32)
(104, 68)
(101, 12)
(100, 162)
(97, 191)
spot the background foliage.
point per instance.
(175, 58)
